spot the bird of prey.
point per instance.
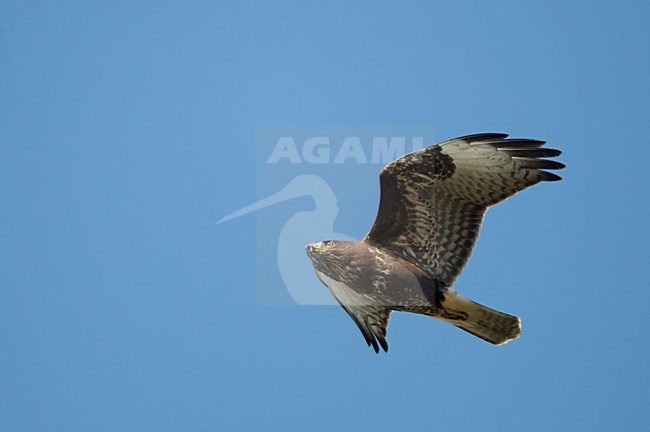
(430, 211)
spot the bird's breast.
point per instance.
(342, 291)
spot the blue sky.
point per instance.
(128, 129)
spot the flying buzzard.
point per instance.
(430, 212)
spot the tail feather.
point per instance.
(481, 321)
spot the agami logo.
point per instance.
(319, 149)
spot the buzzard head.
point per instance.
(322, 249)
(328, 255)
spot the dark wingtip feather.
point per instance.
(514, 143)
(383, 343)
(547, 176)
(375, 346)
(539, 163)
(532, 152)
(529, 154)
(367, 334)
(488, 136)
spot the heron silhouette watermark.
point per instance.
(288, 152)
(304, 226)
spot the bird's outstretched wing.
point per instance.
(433, 200)
(372, 321)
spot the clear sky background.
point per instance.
(128, 128)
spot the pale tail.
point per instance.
(481, 321)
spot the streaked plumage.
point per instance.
(430, 212)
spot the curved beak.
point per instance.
(312, 248)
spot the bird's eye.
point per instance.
(328, 243)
